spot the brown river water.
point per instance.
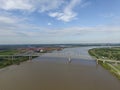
(53, 72)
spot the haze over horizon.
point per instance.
(59, 21)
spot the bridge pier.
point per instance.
(30, 57)
(12, 58)
(103, 61)
(97, 61)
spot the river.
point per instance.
(53, 72)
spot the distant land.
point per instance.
(13, 46)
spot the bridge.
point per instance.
(85, 57)
(109, 61)
(67, 55)
(13, 56)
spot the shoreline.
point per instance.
(16, 61)
(106, 65)
(16, 56)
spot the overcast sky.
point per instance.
(59, 21)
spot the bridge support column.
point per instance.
(30, 57)
(103, 61)
(12, 58)
(97, 61)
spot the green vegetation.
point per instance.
(117, 66)
(108, 54)
(111, 68)
(105, 53)
(8, 52)
(7, 60)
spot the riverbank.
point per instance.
(16, 56)
(108, 58)
(10, 60)
(11, 57)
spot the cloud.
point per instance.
(85, 4)
(27, 30)
(30, 5)
(73, 31)
(107, 15)
(15, 5)
(49, 23)
(4, 19)
(67, 14)
(16, 25)
(10, 19)
(11, 26)
(46, 5)
(30, 33)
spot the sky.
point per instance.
(59, 21)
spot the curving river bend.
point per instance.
(52, 72)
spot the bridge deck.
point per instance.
(112, 61)
(50, 54)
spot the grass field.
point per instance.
(8, 52)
